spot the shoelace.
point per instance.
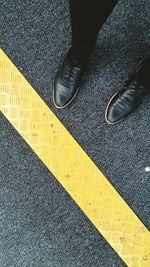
(71, 69)
(136, 88)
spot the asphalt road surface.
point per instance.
(40, 225)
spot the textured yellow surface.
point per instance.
(49, 139)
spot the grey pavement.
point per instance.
(40, 225)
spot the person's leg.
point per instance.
(144, 73)
(87, 18)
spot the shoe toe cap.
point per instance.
(117, 110)
(61, 96)
(113, 115)
(60, 100)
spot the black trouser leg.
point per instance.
(144, 74)
(87, 18)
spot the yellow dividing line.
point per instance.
(50, 140)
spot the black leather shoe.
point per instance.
(130, 96)
(67, 81)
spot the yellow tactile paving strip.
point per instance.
(50, 140)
